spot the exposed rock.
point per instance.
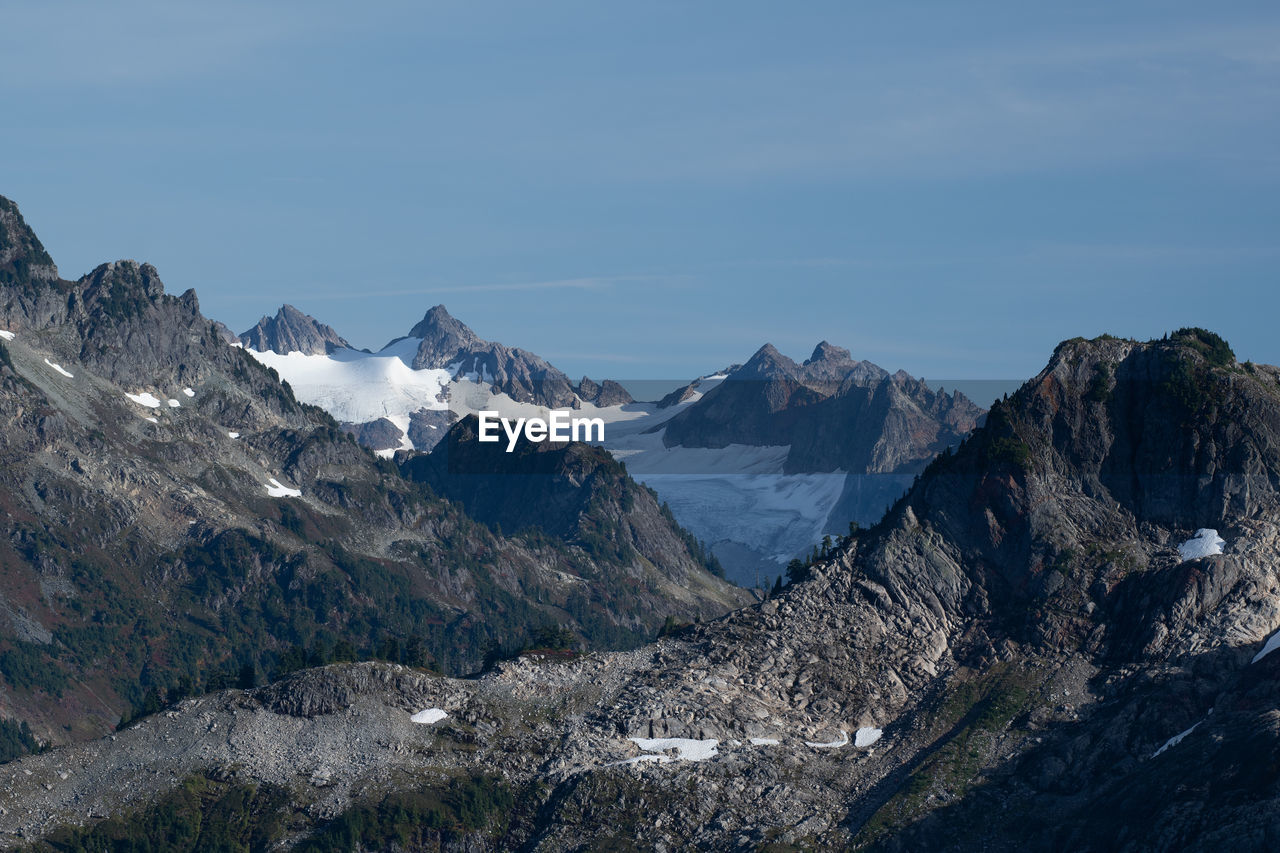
(526, 378)
(292, 331)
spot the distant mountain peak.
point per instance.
(293, 331)
(438, 322)
(766, 363)
(444, 338)
(826, 351)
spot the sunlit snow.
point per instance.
(233, 435)
(59, 368)
(1272, 644)
(360, 387)
(429, 716)
(835, 744)
(866, 736)
(146, 398)
(1175, 740)
(188, 392)
(8, 336)
(1205, 543)
(765, 741)
(153, 420)
(687, 749)
(276, 490)
(173, 404)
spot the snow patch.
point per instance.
(1206, 543)
(59, 368)
(687, 749)
(233, 435)
(866, 736)
(428, 717)
(153, 420)
(1175, 740)
(359, 387)
(276, 490)
(835, 744)
(188, 392)
(765, 741)
(146, 398)
(1271, 646)
(8, 336)
(173, 404)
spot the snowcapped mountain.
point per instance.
(404, 395)
(760, 460)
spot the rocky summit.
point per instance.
(292, 331)
(1057, 639)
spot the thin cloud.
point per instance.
(600, 283)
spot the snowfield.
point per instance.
(866, 736)
(428, 717)
(1272, 644)
(687, 749)
(1206, 543)
(359, 387)
(8, 336)
(59, 368)
(276, 490)
(146, 398)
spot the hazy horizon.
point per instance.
(658, 190)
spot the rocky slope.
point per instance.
(1017, 657)
(174, 519)
(572, 491)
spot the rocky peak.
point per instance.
(603, 394)
(444, 338)
(766, 363)
(23, 259)
(292, 331)
(828, 352)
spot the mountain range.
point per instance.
(759, 460)
(173, 518)
(225, 624)
(1042, 645)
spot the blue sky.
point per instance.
(653, 190)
